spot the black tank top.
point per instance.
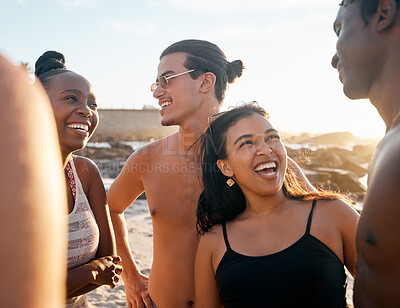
(306, 274)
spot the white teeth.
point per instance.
(265, 166)
(83, 127)
(165, 104)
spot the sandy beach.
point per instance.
(141, 240)
(141, 237)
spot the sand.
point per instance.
(141, 238)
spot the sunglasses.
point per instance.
(163, 81)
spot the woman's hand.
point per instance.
(106, 270)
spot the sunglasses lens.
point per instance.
(163, 82)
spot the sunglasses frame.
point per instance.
(155, 85)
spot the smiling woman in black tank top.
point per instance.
(266, 240)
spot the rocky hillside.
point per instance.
(334, 161)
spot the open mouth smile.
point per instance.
(79, 127)
(268, 168)
(165, 104)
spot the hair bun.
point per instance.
(50, 60)
(235, 69)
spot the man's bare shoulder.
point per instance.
(391, 140)
(384, 175)
(386, 163)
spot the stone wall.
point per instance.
(131, 124)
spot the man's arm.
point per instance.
(124, 190)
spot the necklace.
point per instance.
(71, 179)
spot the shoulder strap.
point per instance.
(228, 247)
(310, 217)
(71, 179)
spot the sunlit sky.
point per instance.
(286, 47)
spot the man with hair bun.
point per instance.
(368, 60)
(191, 82)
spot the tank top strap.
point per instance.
(228, 247)
(310, 217)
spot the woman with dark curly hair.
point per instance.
(267, 240)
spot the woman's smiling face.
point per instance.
(75, 110)
(256, 158)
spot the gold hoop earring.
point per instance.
(230, 182)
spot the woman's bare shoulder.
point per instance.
(84, 164)
(213, 236)
(88, 172)
(338, 210)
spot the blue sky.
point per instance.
(286, 47)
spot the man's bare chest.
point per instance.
(173, 189)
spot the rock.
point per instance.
(364, 152)
(114, 150)
(337, 167)
(346, 181)
(355, 165)
(109, 168)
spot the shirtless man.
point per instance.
(191, 82)
(368, 61)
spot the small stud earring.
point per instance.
(230, 182)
